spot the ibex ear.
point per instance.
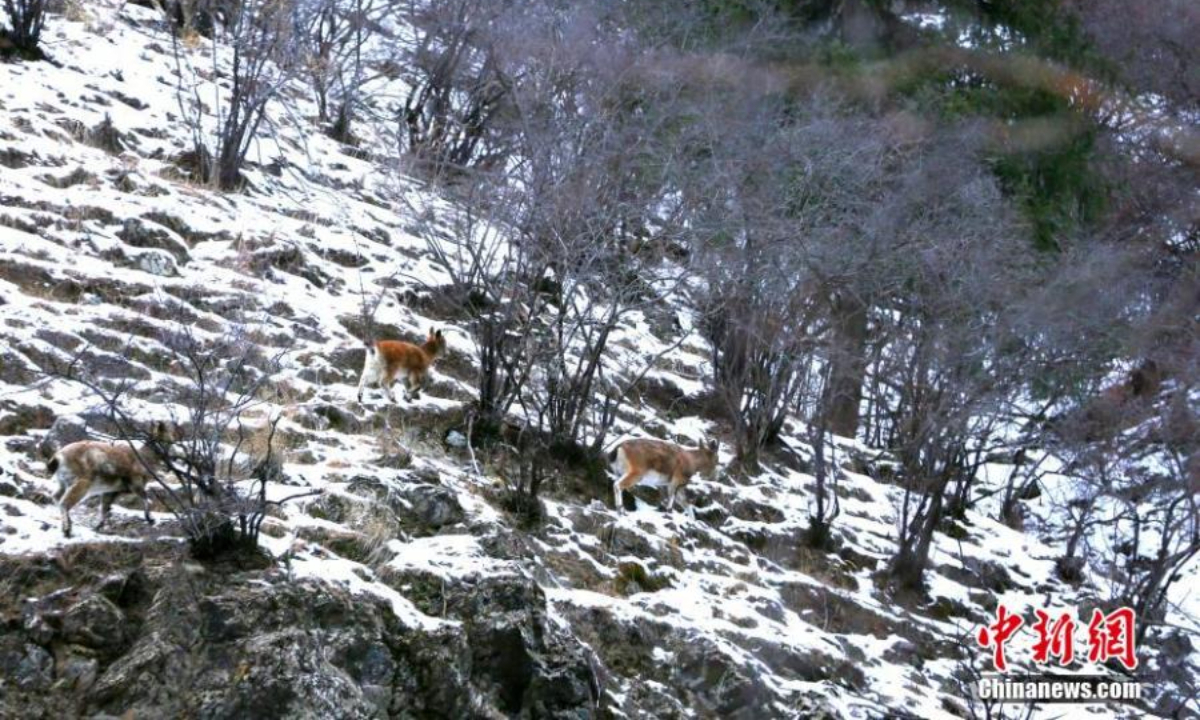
(713, 444)
(438, 334)
(432, 331)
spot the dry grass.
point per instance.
(376, 533)
(190, 38)
(829, 569)
(74, 11)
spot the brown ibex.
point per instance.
(646, 459)
(388, 360)
(88, 468)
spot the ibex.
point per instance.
(88, 468)
(662, 463)
(388, 360)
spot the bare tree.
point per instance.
(26, 18)
(1150, 43)
(347, 45)
(948, 366)
(266, 53)
(214, 468)
(494, 284)
(459, 82)
(553, 249)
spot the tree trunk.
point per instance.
(843, 392)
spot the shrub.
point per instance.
(217, 442)
(26, 18)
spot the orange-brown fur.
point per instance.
(389, 360)
(87, 468)
(637, 460)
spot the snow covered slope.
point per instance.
(725, 615)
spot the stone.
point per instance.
(65, 430)
(399, 459)
(151, 235)
(434, 506)
(27, 665)
(78, 667)
(94, 622)
(155, 263)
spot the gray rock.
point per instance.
(65, 430)
(400, 459)
(155, 262)
(338, 418)
(213, 644)
(420, 509)
(426, 476)
(18, 419)
(26, 665)
(148, 234)
(94, 622)
(905, 652)
(78, 667)
(434, 506)
(14, 368)
(327, 416)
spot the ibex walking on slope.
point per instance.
(389, 360)
(644, 459)
(88, 468)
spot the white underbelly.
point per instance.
(654, 479)
(104, 486)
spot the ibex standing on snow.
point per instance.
(88, 468)
(389, 360)
(666, 463)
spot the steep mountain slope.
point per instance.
(404, 587)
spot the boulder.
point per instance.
(155, 262)
(434, 506)
(26, 665)
(200, 641)
(523, 664)
(150, 235)
(420, 508)
(399, 459)
(18, 419)
(65, 430)
(94, 622)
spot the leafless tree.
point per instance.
(459, 81)
(347, 44)
(490, 281)
(1150, 43)
(948, 366)
(215, 466)
(553, 249)
(265, 54)
(26, 18)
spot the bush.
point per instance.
(215, 444)
(267, 53)
(26, 18)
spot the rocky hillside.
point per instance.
(406, 585)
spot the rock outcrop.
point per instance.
(145, 632)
